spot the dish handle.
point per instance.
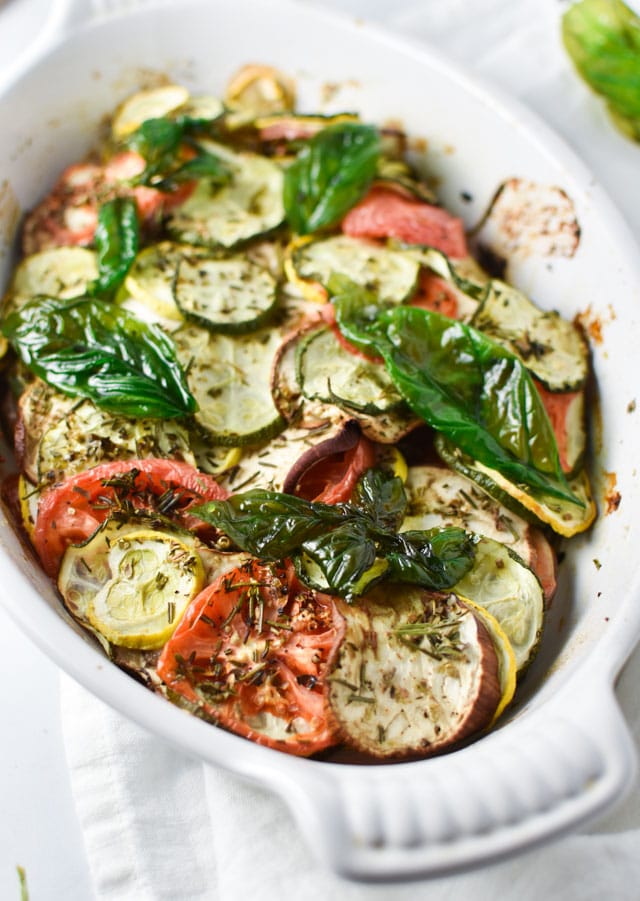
(545, 773)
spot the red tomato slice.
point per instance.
(252, 652)
(70, 512)
(333, 479)
(385, 213)
(558, 405)
(435, 294)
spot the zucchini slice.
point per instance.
(500, 582)
(57, 272)
(152, 103)
(249, 206)
(152, 274)
(328, 372)
(417, 671)
(551, 347)
(230, 295)
(131, 585)
(87, 435)
(565, 518)
(229, 375)
(391, 274)
(385, 428)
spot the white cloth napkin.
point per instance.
(158, 825)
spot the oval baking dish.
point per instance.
(563, 753)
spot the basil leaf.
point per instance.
(330, 175)
(475, 392)
(88, 348)
(352, 546)
(268, 524)
(436, 558)
(602, 37)
(162, 143)
(381, 497)
(116, 240)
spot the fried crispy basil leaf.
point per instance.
(343, 548)
(330, 175)
(91, 348)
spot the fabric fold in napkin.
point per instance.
(158, 825)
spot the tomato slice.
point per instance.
(333, 479)
(70, 512)
(559, 407)
(435, 294)
(385, 213)
(252, 652)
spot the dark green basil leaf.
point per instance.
(381, 497)
(343, 548)
(602, 37)
(330, 175)
(88, 348)
(268, 524)
(474, 391)
(161, 142)
(116, 240)
(436, 558)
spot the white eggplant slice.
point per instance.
(229, 375)
(392, 275)
(438, 496)
(57, 272)
(417, 671)
(249, 206)
(501, 583)
(268, 465)
(231, 295)
(87, 435)
(39, 407)
(131, 585)
(551, 347)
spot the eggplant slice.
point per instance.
(417, 672)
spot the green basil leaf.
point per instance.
(352, 546)
(381, 497)
(116, 240)
(155, 138)
(330, 175)
(268, 524)
(602, 37)
(475, 392)
(88, 348)
(436, 558)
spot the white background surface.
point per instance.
(38, 825)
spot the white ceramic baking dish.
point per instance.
(563, 754)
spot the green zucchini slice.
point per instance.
(565, 518)
(152, 274)
(249, 206)
(501, 583)
(229, 375)
(328, 372)
(552, 348)
(229, 295)
(391, 274)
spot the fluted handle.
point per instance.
(540, 776)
